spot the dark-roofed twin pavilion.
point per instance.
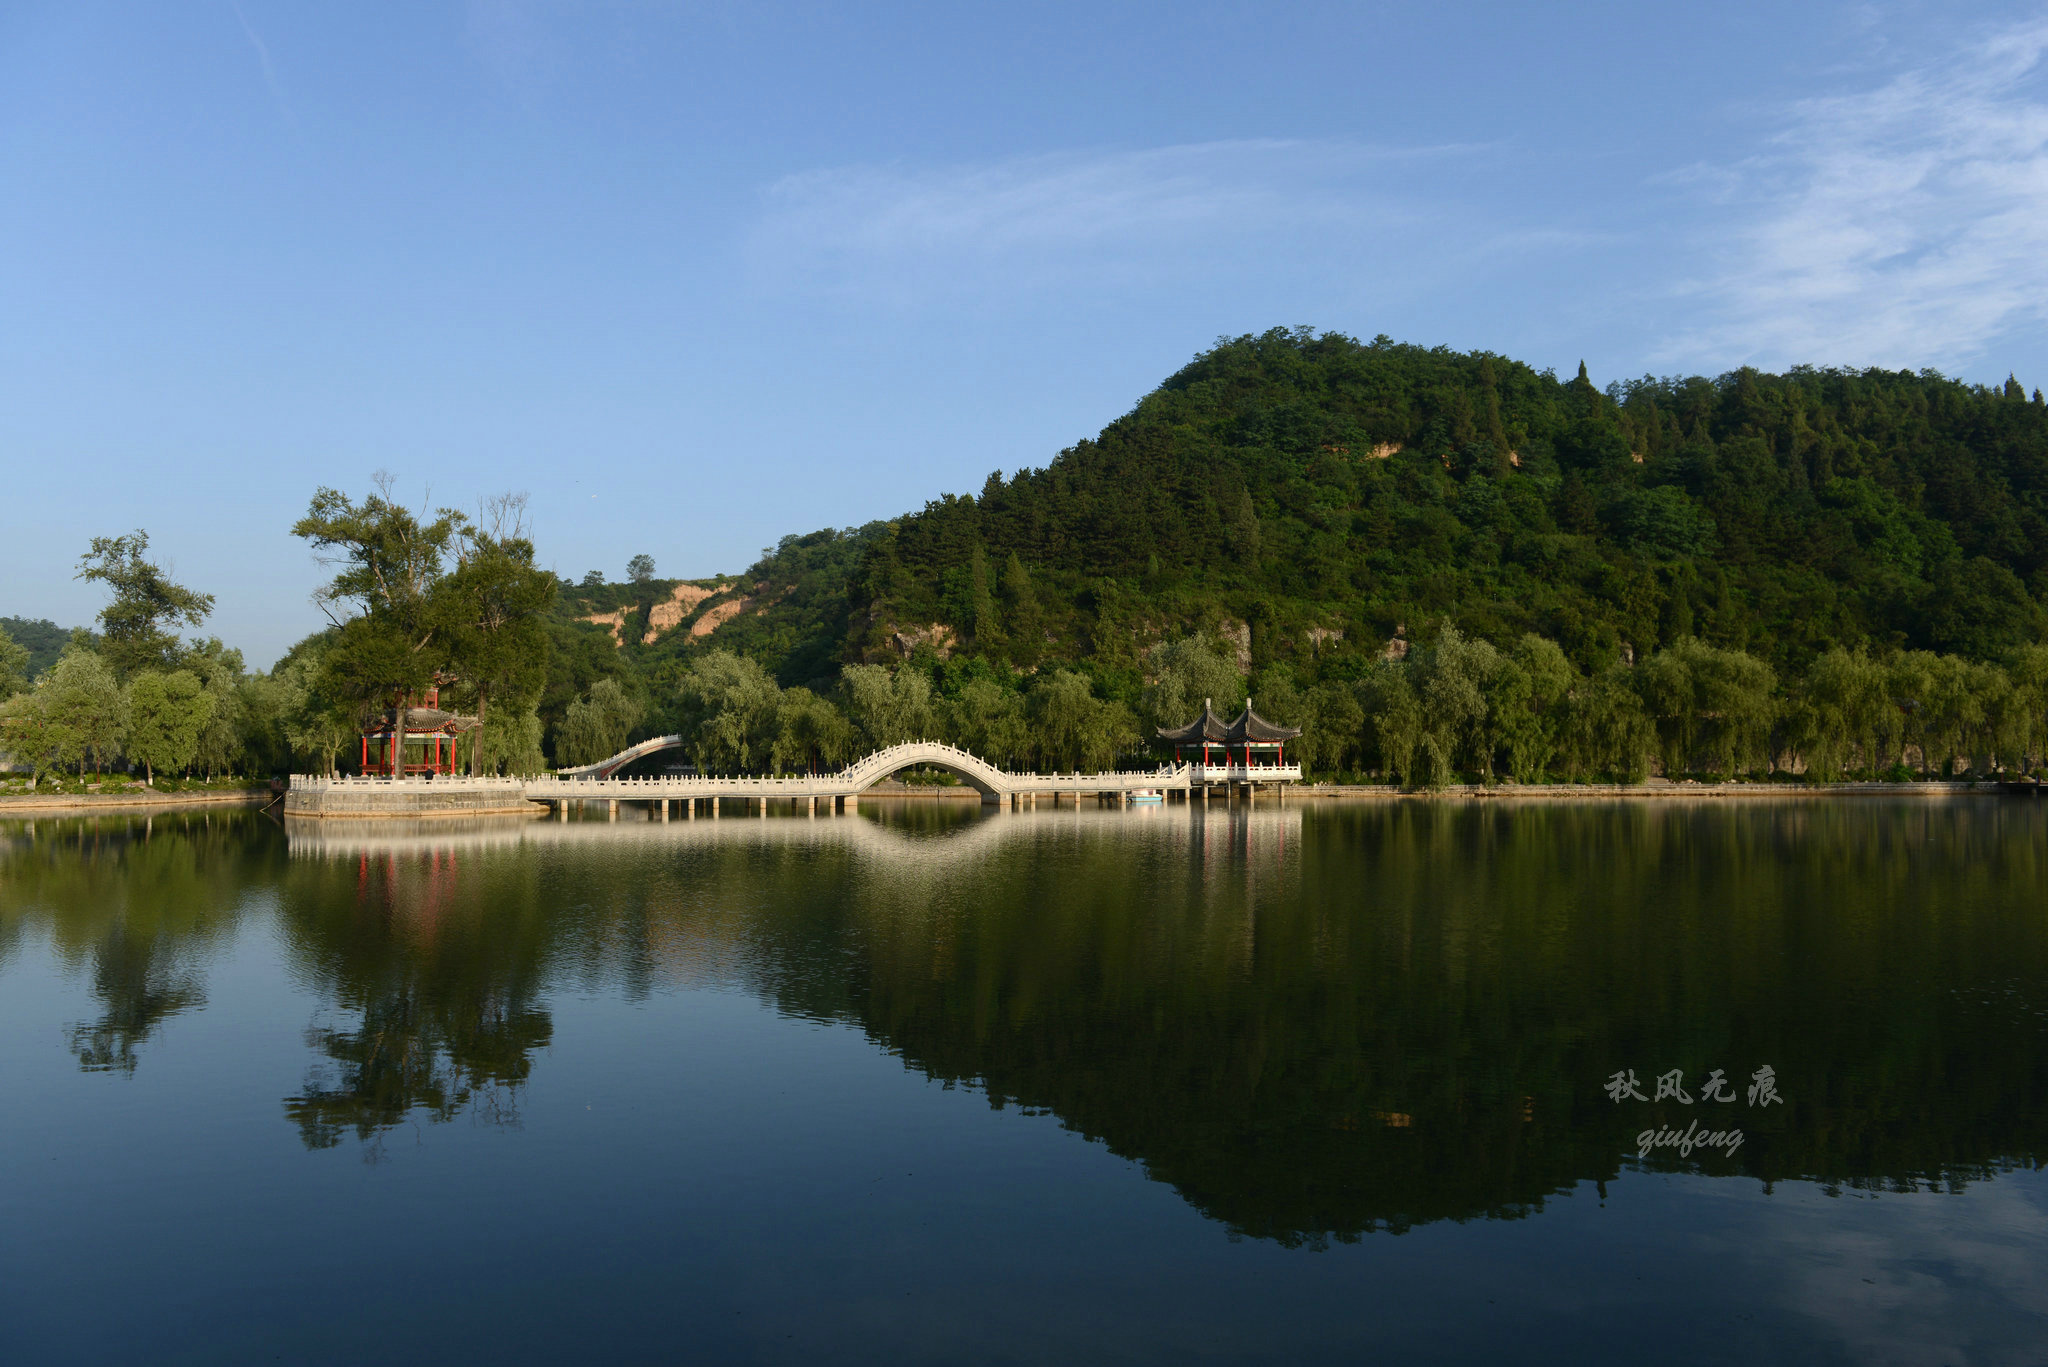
(1249, 750)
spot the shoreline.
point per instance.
(1655, 790)
(32, 802)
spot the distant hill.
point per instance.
(1311, 498)
(43, 639)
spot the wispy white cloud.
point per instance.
(1073, 214)
(270, 81)
(1900, 225)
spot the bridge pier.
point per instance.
(562, 810)
(811, 806)
(611, 809)
(663, 804)
(713, 801)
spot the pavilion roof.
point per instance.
(424, 721)
(1249, 726)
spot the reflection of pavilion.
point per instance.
(1245, 751)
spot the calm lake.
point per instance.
(1320, 1083)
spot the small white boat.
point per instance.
(1147, 795)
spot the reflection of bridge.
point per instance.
(837, 791)
(963, 845)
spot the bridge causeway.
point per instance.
(840, 791)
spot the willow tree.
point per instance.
(1393, 717)
(83, 717)
(1841, 710)
(1606, 731)
(810, 733)
(1453, 677)
(1524, 706)
(597, 725)
(1184, 674)
(166, 713)
(988, 719)
(729, 707)
(2029, 704)
(889, 706)
(1709, 705)
(1072, 729)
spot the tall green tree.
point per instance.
(987, 719)
(1712, 708)
(145, 602)
(226, 735)
(1184, 674)
(810, 733)
(1023, 622)
(495, 613)
(509, 741)
(729, 704)
(1843, 712)
(1525, 706)
(385, 601)
(315, 722)
(1606, 732)
(889, 706)
(166, 713)
(81, 712)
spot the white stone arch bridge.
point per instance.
(712, 795)
(997, 786)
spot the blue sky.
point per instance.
(698, 275)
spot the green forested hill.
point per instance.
(1313, 485)
(1434, 563)
(1711, 574)
(44, 641)
(1328, 494)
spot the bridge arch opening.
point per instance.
(856, 777)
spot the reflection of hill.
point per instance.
(1312, 1023)
(1318, 1023)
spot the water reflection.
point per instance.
(436, 961)
(141, 900)
(1311, 1022)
